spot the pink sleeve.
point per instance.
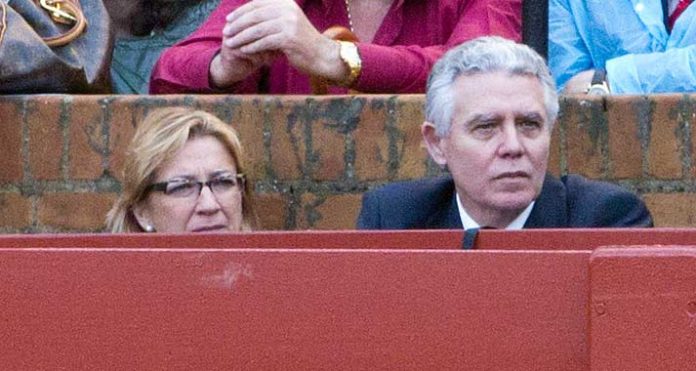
(184, 68)
(413, 63)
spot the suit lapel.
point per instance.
(447, 216)
(551, 207)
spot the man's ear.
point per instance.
(142, 216)
(434, 144)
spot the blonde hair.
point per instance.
(156, 140)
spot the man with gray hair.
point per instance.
(490, 109)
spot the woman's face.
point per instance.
(178, 206)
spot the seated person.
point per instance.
(144, 28)
(623, 46)
(270, 46)
(490, 108)
(184, 172)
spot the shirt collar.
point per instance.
(468, 222)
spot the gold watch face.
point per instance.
(349, 54)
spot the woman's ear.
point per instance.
(142, 217)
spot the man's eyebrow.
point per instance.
(479, 117)
(529, 116)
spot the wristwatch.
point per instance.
(351, 58)
(599, 85)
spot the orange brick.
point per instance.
(329, 212)
(248, 120)
(687, 113)
(672, 209)
(15, 211)
(45, 140)
(88, 140)
(287, 136)
(626, 115)
(124, 114)
(74, 211)
(410, 151)
(371, 137)
(11, 123)
(665, 151)
(586, 133)
(330, 119)
(272, 210)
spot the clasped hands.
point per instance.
(258, 32)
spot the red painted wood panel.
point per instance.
(532, 239)
(95, 308)
(643, 313)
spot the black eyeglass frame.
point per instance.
(162, 186)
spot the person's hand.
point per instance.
(231, 65)
(262, 26)
(579, 83)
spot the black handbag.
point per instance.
(54, 46)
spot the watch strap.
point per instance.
(599, 76)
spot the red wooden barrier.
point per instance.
(643, 308)
(536, 239)
(406, 300)
(101, 308)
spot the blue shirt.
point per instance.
(628, 38)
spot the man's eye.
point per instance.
(180, 188)
(484, 128)
(528, 125)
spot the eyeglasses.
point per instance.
(220, 186)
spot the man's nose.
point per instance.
(510, 144)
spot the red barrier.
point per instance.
(98, 308)
(643, 308)
(406, 300)
(532, 239)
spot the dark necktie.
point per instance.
(470, 235)
(681, 7)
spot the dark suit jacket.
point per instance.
(571, 202)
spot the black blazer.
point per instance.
(571, 202)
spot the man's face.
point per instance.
(498, 145)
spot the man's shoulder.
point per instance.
(596, 203)
(423, 203)
(579, 186)
(415, 188)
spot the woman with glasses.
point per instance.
(183, 172)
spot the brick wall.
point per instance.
(311, 158)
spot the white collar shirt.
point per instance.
(468, 222)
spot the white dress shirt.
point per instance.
(468, 222)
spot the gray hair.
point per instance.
(483, 55)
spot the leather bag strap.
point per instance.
(64, 12)
(3, 20)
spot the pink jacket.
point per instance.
(412, 37)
